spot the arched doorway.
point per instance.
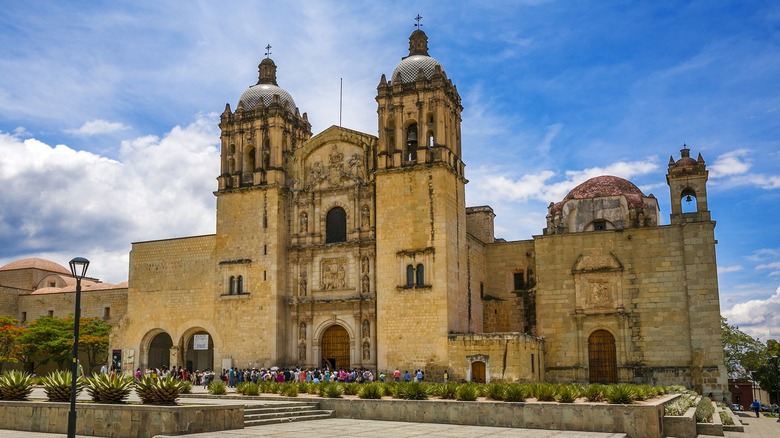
(478, 371)
(160, 351)
(335, 348)
(199, 354)
(602, 357)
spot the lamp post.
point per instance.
(78, 267)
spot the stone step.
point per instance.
(280, 414)
(318, 415)
(258, 409)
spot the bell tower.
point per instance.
(421, 216)
(687, 179)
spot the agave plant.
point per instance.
(110, 388)
(619, 394)
(544, 391)
(447, 391)
(217, 387)
(143, 387)
(467, 392)
(57, 385)
(288, 389)
(515, 393)
(331, 390)
(567, 393)
(15, 385)
(370, 391)
(495, 391)
(166, 391)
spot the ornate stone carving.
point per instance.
(600, 294)
(365, 285)
(364, 265)
(366, 329)
(366, 351)
(304, 228)
(302, 331)
(356, 166)
(337, 169)
(365, 216)
(334, 274)
(302, 353)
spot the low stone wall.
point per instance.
(120, 421)
(637, 421)
(683, 426)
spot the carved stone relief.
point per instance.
(364, 265)
(302, 331)
(302, 352)
(337, 170)
(366, 329)
(304, 228)
(365, 216)
(365, 285)
(366, 351)
(334, 274)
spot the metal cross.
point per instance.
(268, 50)
(418, 18)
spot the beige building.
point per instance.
(353, 250)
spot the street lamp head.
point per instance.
(78, 267)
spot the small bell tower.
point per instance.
(687, 179)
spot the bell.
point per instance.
(688, 199)
(412, 136)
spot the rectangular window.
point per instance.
(600, 225)
(481, 290)
(106, 312)
(51, 313)
(518, 277)
(265, 221)
(265, 249)
(24, 316)
(52, 284)
(533, 370)
(264, 277)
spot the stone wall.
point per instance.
(62, 304)
(8, 301)
(508, 357)
(120, 421)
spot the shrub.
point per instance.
(370, 391)
(468, 392)
(515, 393)
(251, 389)
(288, 389)
(593, 392)
(217, 387)
(621, 394)
(331, 390)
(494, 391)
(57, 386)
(643, 392)
(678, 406)
(447, 391)
(725, 418)
(414, 391)
(187, 387)
(166, 391)
(240, 387)
(15, 385)
(567, 393)
(544, 391)
(351, 388)
(704, 410)
(108, 388)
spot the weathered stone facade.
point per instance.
(351, 250)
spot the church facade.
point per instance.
(348, 250)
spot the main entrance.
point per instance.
(335, 348)
(602, 359)
(200, 352)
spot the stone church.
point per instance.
(349, 249)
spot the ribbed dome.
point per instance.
(409, 67)
(265, 93)
(35, 263)
(265, 89)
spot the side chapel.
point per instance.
(346, 249)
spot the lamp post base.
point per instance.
(72, 424)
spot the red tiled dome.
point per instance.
(35, 263)
(602, 186)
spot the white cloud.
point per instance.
(64, 202)
(758, 318)
(724, 269)
(97, 126)
(773, 265)
(730, 163)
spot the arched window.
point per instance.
(429, 142)
(240, 285)
(232, 289)
(688, 201)
(249, 160)
(409, 276)
(336, 225)
(420, 275)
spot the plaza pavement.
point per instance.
(341, 427)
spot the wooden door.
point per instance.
(335, 348)
(478, 372)
(602, 358)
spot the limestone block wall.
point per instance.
(501, 316)
(9, 304)
(21, 278)
(508, 357)
(420, 219)
(93, 304)
(475, 269)
(505, 308)
(479, 223)
(633, 284)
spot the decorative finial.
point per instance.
(268, 50)
(685, 146)
(418, 18)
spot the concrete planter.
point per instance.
(120, 421)
(715, 428)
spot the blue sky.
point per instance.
(108, 112)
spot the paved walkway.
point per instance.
(340, 427)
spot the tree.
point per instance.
(10, 330)
(742, 352)
(93, 340)
(47, 339)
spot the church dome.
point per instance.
(265, 89)
(409, 67)
(602, 186)
(35, 263)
